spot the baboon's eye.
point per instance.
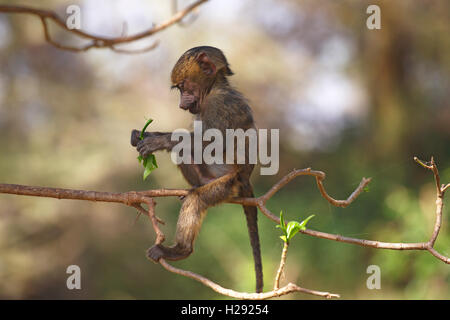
(178, 86)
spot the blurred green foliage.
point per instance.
(348, 101)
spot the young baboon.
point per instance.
(201, 77)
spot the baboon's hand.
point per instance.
(151, 144)
(135, 137)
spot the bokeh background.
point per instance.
(349, 101)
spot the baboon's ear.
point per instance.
(208, 67)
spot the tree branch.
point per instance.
(135, 199)
(289, 288)
(182, 23)
(97, 41)
(276, 285)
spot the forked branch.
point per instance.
(289, 288)
(135, 199)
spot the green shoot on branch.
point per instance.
(291, 229)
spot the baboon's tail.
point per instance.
(251, 214)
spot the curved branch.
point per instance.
(98, 41)
(320, 176)
(289, 288)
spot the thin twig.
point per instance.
(445, 187)
(182, 23)
(276, 285)
(98, 41)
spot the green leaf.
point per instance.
(292, 228)
(145, 128)
(304, 222)
(282, 224)
(150, 165)
(147, 172)
(366, 189)
(153, 158)
(289, 227)
(149, 162)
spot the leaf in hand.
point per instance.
(145, 128)
(149, 162)
(149, 165)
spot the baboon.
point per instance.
(201, 77)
